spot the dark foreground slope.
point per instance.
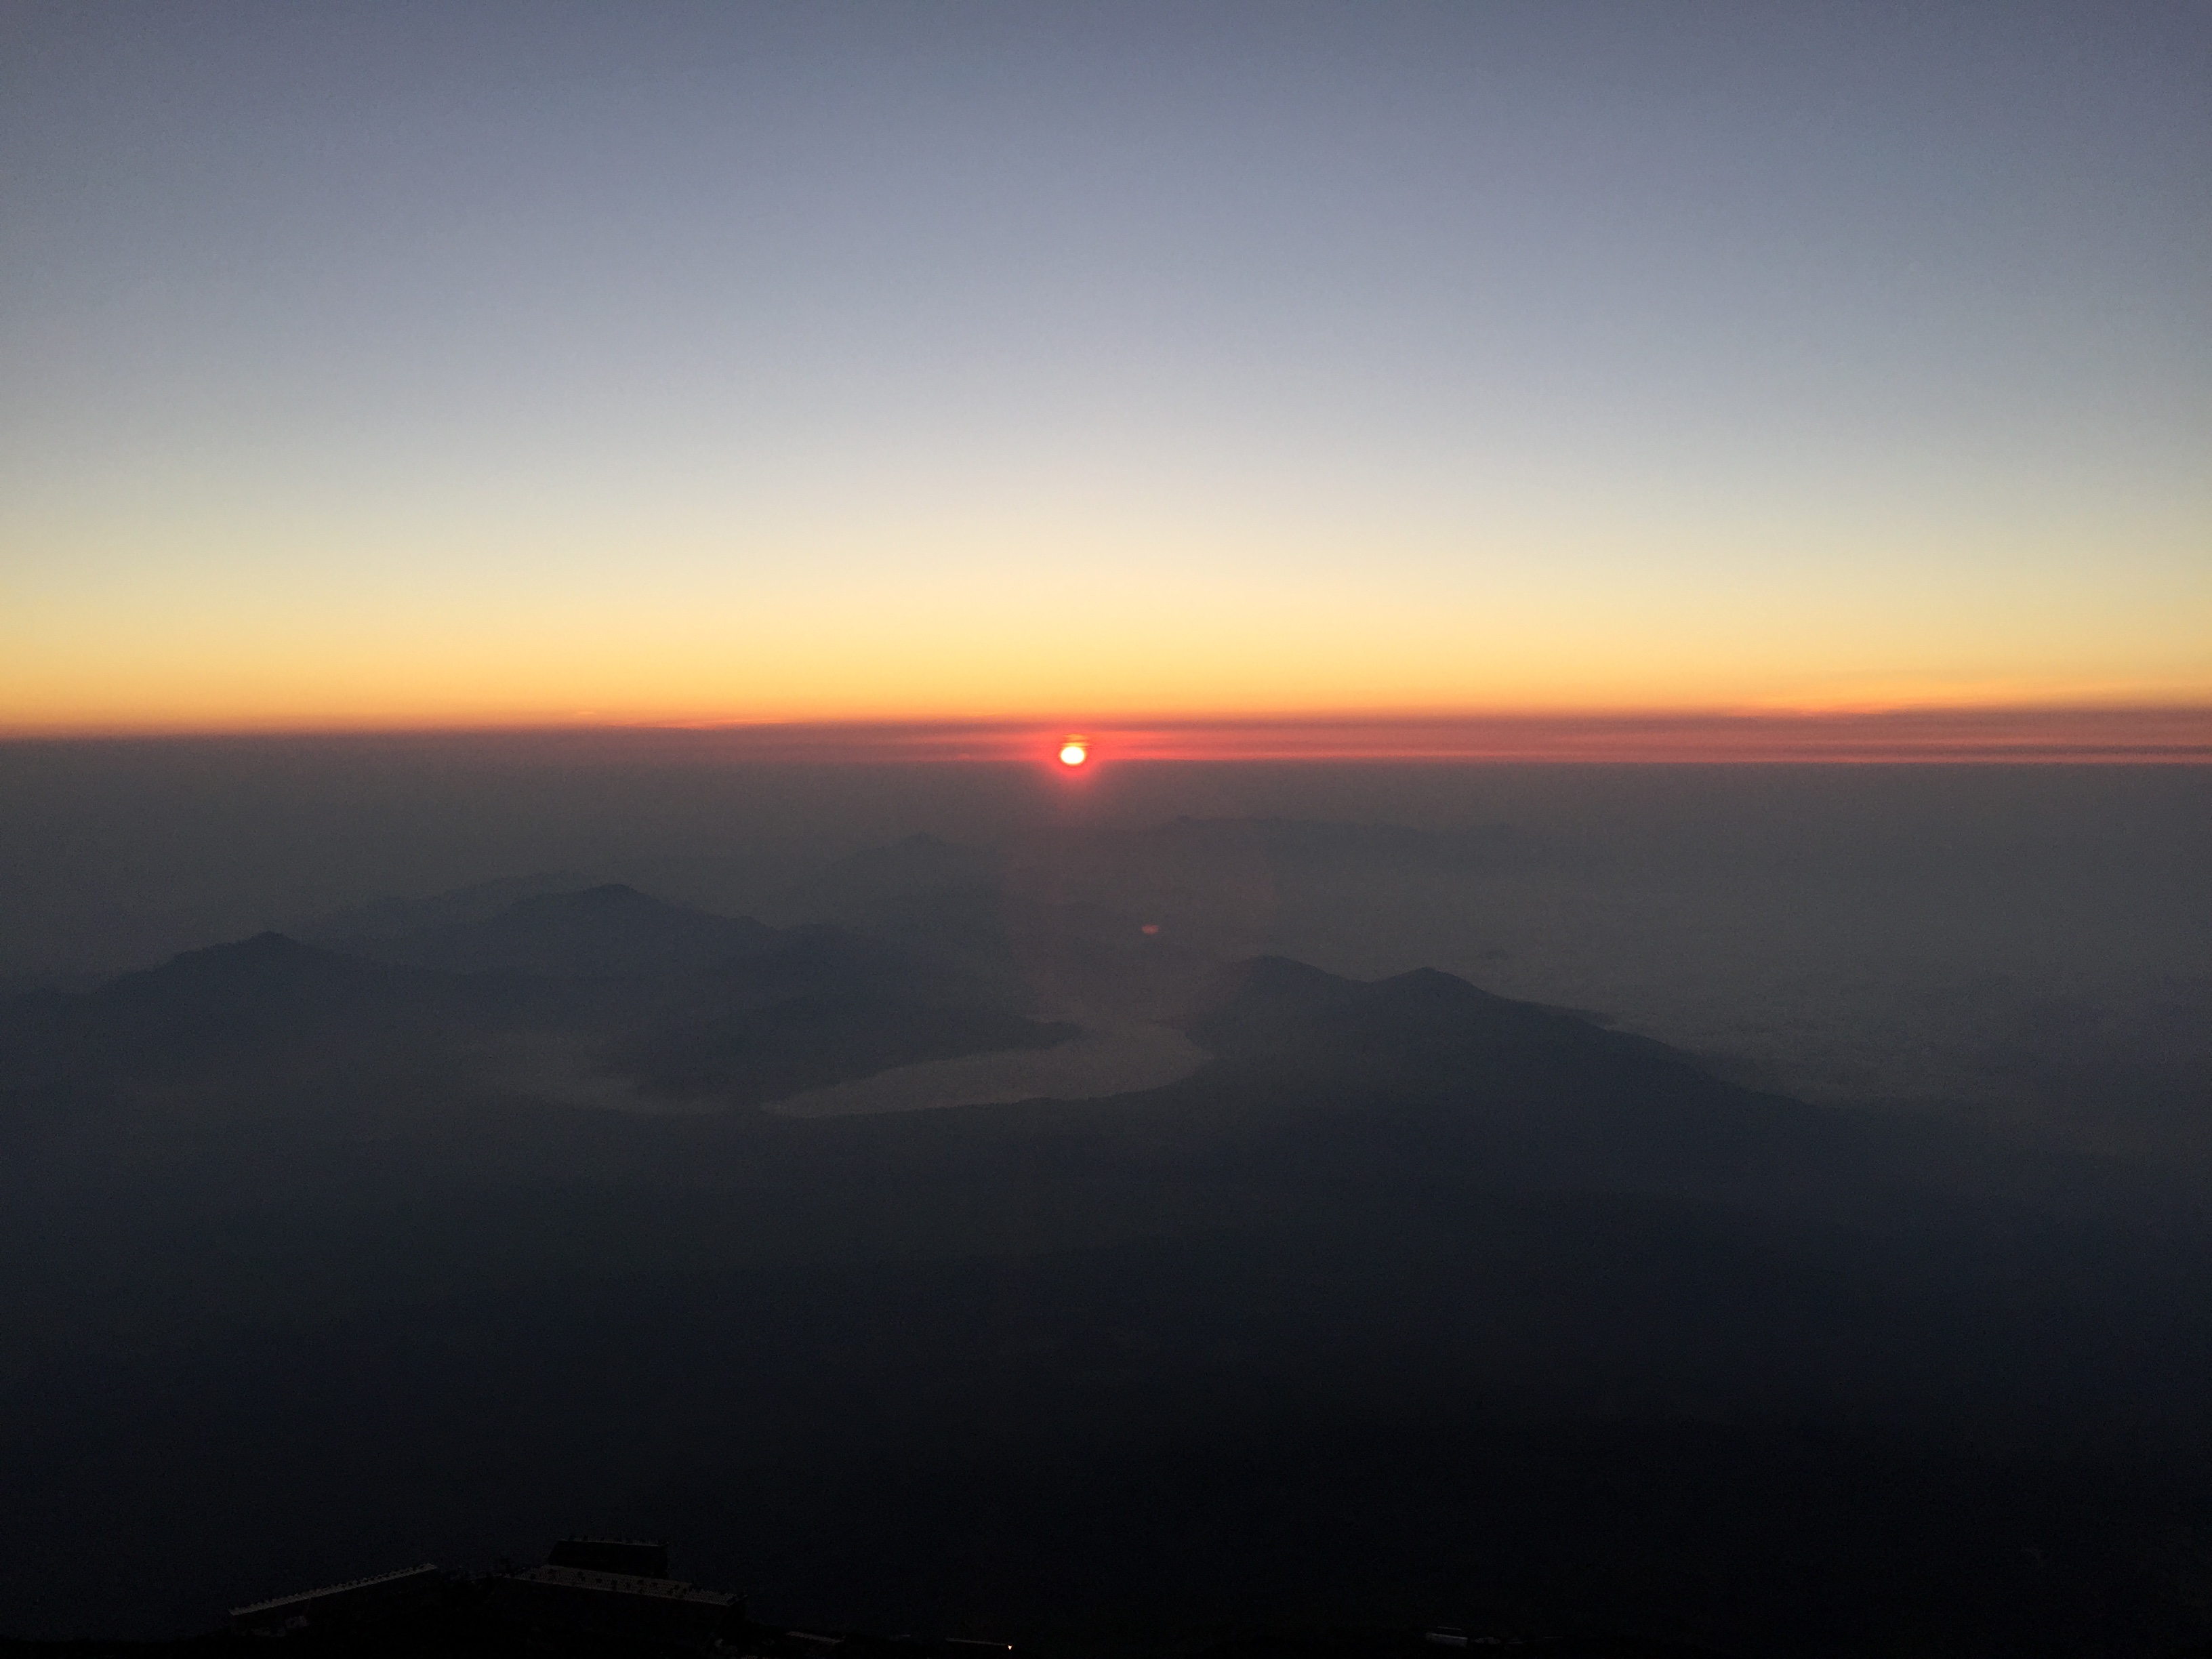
(1416, 1304)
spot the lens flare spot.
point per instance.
(1074, 752)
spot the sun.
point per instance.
(1074, 752)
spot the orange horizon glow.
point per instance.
(1516, 460)
(2077, 734)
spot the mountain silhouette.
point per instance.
(211, 1008)
(389, 917)
(612, 929)
(1408, 1292)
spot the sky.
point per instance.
(420, 366)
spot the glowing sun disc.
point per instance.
(1074, 754)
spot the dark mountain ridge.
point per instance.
(686, 1005)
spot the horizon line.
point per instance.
(2076, 734)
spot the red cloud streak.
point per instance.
(2076, 736)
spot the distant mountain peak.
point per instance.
(1274, 1005)
(608, 929)
(389, 917)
